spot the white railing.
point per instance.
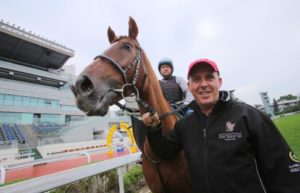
(51, 181)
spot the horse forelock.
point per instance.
(118, 38)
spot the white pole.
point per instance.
(120, 177)
(2, 174)
(88, 156)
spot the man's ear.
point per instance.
(188, 84)
(220, 82)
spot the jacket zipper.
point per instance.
(205, 159)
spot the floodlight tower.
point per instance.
(266, 102)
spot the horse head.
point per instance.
(113, 75)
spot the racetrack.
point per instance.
(33, 171)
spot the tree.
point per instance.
(287, 97)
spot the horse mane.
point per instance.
(153, 94)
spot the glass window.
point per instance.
(50, 118)
(41, 102)
(33, 102)
(17, 101)
(8, 99)
(26, 101)
(47, 102)
(10, 117)
(1, 99)
(55, 104)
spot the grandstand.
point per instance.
(37, 108)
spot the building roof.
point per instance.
(282, 102)
(28, 49)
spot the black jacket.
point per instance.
(236, 149)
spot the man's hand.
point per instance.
(150, 120)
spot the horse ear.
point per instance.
(133, 29)
(111, 35)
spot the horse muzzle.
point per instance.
(83, 86)
(92, 100)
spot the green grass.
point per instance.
(289, 126)
(15, 181)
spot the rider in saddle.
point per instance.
(174, 88)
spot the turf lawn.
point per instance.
(290, 129)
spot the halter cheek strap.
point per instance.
(115, 64)
(123, 71)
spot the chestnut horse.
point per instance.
(124, 69)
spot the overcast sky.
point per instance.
(256, 43)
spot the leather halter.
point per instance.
(123, 71)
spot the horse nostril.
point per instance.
(85, 86)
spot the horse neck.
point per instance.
(153, 95)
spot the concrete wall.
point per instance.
(10, 156)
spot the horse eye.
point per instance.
(127, 46)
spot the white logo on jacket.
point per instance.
(229, 134)
(229, 126)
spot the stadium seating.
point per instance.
(10, 134)
(46, 129)
(19, 133)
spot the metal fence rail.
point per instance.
(51, 181)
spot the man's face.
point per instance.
(165, 70)
(204, 83)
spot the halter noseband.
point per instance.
(123, 71)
